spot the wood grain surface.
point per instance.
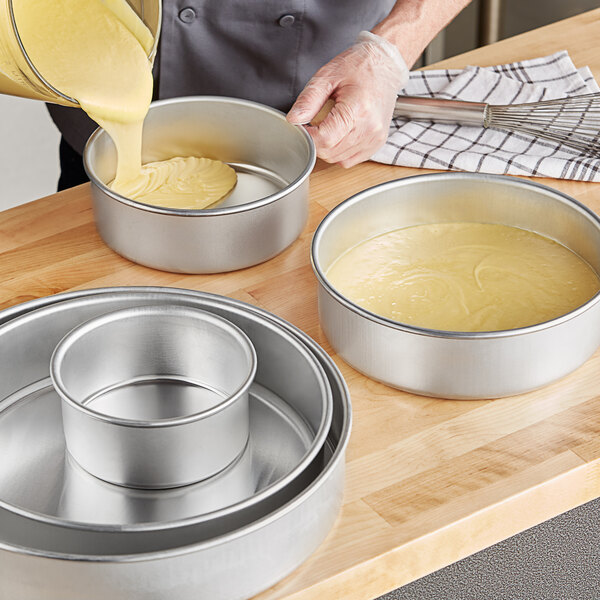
(428, 481)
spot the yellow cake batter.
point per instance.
(464, 277)
(181, 183)
(96, 51)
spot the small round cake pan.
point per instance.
(264, 214)
(154, 396)
(451, 364)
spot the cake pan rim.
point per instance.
(58, 356)
(438, 333)
(206, 212)
(331, 372)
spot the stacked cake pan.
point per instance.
(68, 534)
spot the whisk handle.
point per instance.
(441, 111)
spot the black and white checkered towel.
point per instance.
(465, 148)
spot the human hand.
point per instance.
(364, 82)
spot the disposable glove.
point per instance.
(364, 82)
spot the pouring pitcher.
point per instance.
(18, 74)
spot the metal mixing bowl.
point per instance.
(457, 364)
(155, 396)
(265, 213)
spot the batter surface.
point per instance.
(96, 51)
(190, 183)
(464, 277)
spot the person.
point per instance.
(292, 55)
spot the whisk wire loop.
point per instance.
(572, 121)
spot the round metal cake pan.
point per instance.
(284, 366)
(231, 566)
(154, 396)
(457, 364)
(84, 509)
(266, 212)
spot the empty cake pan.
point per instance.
(245, 553)
(154, 396)
(290, 415)
(452, 364)
(265, 213)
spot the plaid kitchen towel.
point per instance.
(465, 148)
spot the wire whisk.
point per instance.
(574, 121)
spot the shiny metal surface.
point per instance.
(271, 156)
(451, 364)
(154, 396)
(65, 493)
(573, 121)
(441, 111)
(490, 22)
(284, 367)
(230, 566)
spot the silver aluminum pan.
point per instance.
(457, 364)
(284, 366)
(69, 497)
(265, 213)
(154, 396)
(231, 566)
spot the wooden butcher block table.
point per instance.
(428, 481)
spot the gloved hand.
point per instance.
(364, 81)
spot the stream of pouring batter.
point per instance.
(96, 51)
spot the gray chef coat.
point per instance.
(262, 50)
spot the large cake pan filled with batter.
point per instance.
(264, 214)
(242, 553)
(457, 364)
